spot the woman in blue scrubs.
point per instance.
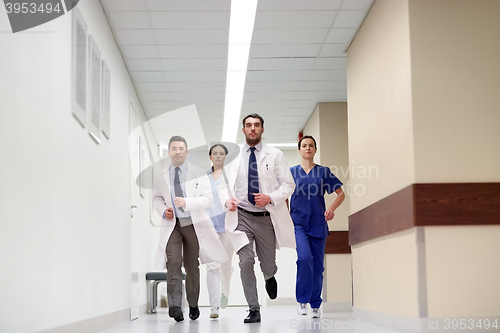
(310, 216)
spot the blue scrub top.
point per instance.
(307, 205)
(216, 211)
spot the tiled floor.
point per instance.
(275, 319)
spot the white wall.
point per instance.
(65, 214)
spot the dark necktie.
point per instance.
(177, 187)
(253, 176)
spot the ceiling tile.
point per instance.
(274, 86)
(144, 64)
(196, 96)
(194, 36)
(292, 50)
(151, 87)
(328, 75)
(194, 76)
(281, 64)
(154, 97)
(288, 36)
(147, 76)
(357, 4)
(194, 64)
(130, 20)
(193, 51)
(349, 19)
(298, 4)
(330, 50)
(306, 104)
(156, 105)
(277, 75)
(121, 5)
(191, 5)
(140, 51)
(190, 20)
(196, 86)
(340, 35)
(268, 104)
(330, 63)
(138, 37)
(325, 85)
(268, 96)
(199, 105)
(331, 96)
(294, 19)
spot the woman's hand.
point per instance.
(329, 214)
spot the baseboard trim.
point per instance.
(396, 323)
(99, 323)
(336, 307)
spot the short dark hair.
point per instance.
(254, 115)
(177, 138)
(218, 145)
(308, 137)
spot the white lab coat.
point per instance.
(275, 180)
(198, 197)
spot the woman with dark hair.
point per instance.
(310, 216)
(218, 275)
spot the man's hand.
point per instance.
(232, 204)
(179, 202)
(329, 214)
(261, 199)
(169, 213)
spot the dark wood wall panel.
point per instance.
(444, 204)
(457, 204)
(337, 242)
(389, 215)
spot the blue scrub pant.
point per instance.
(310, 256)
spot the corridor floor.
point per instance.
(275, 319)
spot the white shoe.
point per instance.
(302, 309)
(223, 301)
(214, 313)
(315, 313)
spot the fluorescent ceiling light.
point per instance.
(241, 25)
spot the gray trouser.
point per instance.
(259, 229)
(183, 246)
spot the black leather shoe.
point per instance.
(272, 288)
(253, 317)
(175, 312)
(194, 313)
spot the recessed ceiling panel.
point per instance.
(190, 20)
(194, 76)
(147, 76)
(194, 36)
(294, 19)
(277, 75)
(140, 51)
(196, 86)
(299, 4)
(284, 51)
(328, 75)
(270, 96)
(274, 86)
(144, 64)
(130, 20)
(191, 5)
(340, 35)
(330, 50)
(289, 36)
(325, 85)
(349, 19)
(193, 51)
(194, 64)
(331, 63)
(124, 5)
(137, 37)
(281, 64)
(357, 4)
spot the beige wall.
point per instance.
(463, 271)
(312, 128)
(338, 284)
(334, 154)
(456, 83)
(423, 80)
(379, 102)
(385, 274)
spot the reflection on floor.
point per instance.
(275, 319)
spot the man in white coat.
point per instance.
(187, 232)
(258, 183)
